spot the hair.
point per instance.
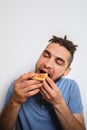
(65, 43)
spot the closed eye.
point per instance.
(46, 54)
(60, 61)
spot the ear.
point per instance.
(67, 71)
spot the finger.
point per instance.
(31, 93)
(25, 76)
(47, 88)
(51, 83)
(44, 93)
(32, 87)
(29, 83)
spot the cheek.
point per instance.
(39, 63)
(58, 71)
(41, 60)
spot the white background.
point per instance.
(25, 28)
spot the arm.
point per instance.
(67, 120)
(9, 115)
(24, 87)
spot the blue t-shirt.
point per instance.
(36, 113)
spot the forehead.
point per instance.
(58, 50)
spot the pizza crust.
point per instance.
(40, 76)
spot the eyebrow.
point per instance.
(58, 58)
(46, 51)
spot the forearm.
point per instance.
(67, 119)
(9, 115)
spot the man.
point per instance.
(52, 104)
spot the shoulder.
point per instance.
(67, 83)
(69, 88)
(11, 87)
(71, 93)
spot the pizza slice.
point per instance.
(40, 76)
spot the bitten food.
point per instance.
(40, 76)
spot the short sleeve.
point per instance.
(9, 94)
(75, 102)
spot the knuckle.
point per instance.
(22, 77)
(28, 94)
(53, 95)
(48, 98)
(26, 83)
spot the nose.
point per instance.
(48, 63)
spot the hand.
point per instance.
(24, 87)
(51, 92)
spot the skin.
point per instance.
(54, 61)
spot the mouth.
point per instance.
(42, 71)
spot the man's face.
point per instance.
(54, 61)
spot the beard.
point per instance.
(55, 80)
